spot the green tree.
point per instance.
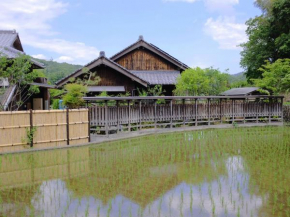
(219, 82)
(275, 77)
(19, 73)
(74, 95)
(269, 37)
(193, 82)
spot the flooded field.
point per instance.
(230, 172)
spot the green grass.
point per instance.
(234, 172)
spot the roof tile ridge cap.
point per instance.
(8, 31)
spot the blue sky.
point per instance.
(200, 33)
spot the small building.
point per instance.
(138, 66)
(11, 47)
(243, 91)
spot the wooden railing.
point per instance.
(127, 113)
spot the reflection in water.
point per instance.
(237, 172)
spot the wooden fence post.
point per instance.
(183, 106)
(118, 121)
(67, 126)
(257, 112)
(233, 111)
(31, 127)
(155, 114)
(171, 113)
(281, 110)
(129, 116)
(89, 124)
(196, 113)
(106, 118)
(140, 115)
(208, 110)
(221, 117)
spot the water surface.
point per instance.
(230, 172)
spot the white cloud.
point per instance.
(31, 18)
(226, 31)
(40, 56)
(223, 6)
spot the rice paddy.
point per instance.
(227, 172)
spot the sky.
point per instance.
(200, 33)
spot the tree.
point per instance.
(219, 82)
(19, 73)
(275, 77)
(269, 37)
(78, 87)
(74, 96)
(193, 82)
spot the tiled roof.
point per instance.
(239, 91)
(158, 77)
(140, 41)
(7, 38)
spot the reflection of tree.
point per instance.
(267, 160)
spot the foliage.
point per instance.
(54, 97)
(30, 133)
(55, 104)
(55, 71)
(275, 77)
(192, 82)
(88, 78)
(199, 82)
(74, 93)
(19, 73)
(268, 37)
(219, 82)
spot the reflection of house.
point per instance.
(138, 66)
(243, 91)
(11, 47)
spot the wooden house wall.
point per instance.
(143, 59)
(111, 77)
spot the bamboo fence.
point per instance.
(52, 128)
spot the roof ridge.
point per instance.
(8, 31)
(140, 40)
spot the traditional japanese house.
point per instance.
(139, 66)
(11, 47)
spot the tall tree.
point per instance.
(268, 37)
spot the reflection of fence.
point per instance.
(53, 128)
(183, 110)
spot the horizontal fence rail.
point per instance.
(132, 113)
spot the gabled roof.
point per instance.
(158, 77)
(8, 38)
(142, 43)
(102, 60)
(11, 47)
(240, 91)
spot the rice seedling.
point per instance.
(234, 172)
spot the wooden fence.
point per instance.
(286, 113)
(52, 128)
(138, 113)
